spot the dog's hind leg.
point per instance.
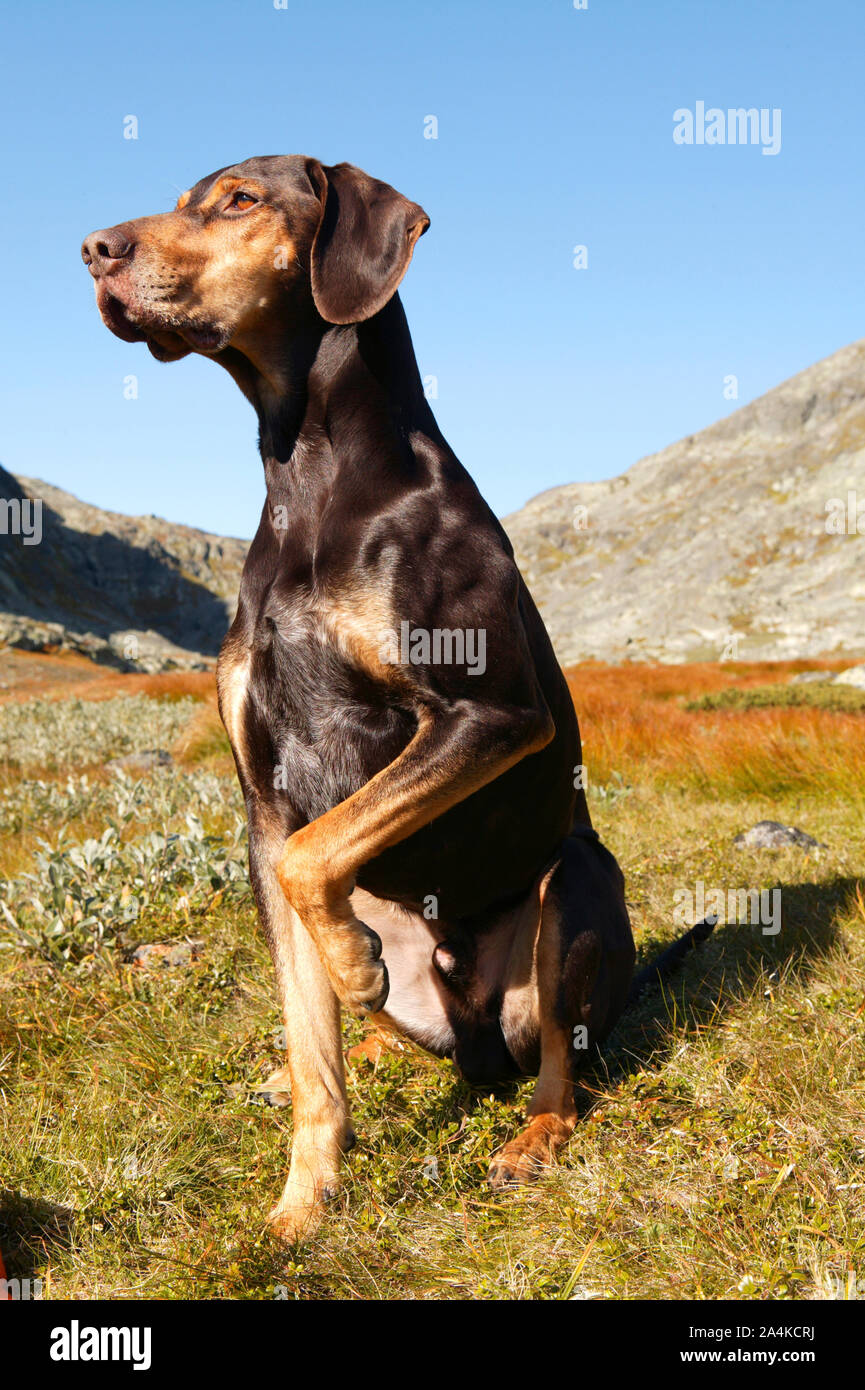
(583, 966)
(311, 1014)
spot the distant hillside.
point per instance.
(715, 547)
(721, 535)
(138, 593)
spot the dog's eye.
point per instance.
(241, 201)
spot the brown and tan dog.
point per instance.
(403, 734)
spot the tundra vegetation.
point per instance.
(721, 1143)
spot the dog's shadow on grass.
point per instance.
(717, 977)
(30, 1230)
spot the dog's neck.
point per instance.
(325, 388)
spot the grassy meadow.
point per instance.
(721, 1147)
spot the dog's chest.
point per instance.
(316, 724)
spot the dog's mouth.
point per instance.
(115, 317)
(167, 340)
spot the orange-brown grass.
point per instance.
(67, 676)
(165, 685)
(633, 723)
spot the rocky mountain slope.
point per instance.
(718, 546)
(137, 593)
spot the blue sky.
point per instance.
(555, 129)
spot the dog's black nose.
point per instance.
(104, 251)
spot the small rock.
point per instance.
(142, 762)
(165, 955)
(806, 677)
(771, 834)
(854, 675)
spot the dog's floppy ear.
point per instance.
(363, 244)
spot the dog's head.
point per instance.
(249, 249)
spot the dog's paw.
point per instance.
(289, 1224)
(514, 1167)
(301, 1209)
(350, 951)
(527, 1157)
(276, 1090)
(352, 958)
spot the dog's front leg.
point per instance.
(453, 753)
(313, 1040)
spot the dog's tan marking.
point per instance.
(229, 274)
(360, 626)
(232, 680)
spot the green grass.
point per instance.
(811, 695)
(719, 1154)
